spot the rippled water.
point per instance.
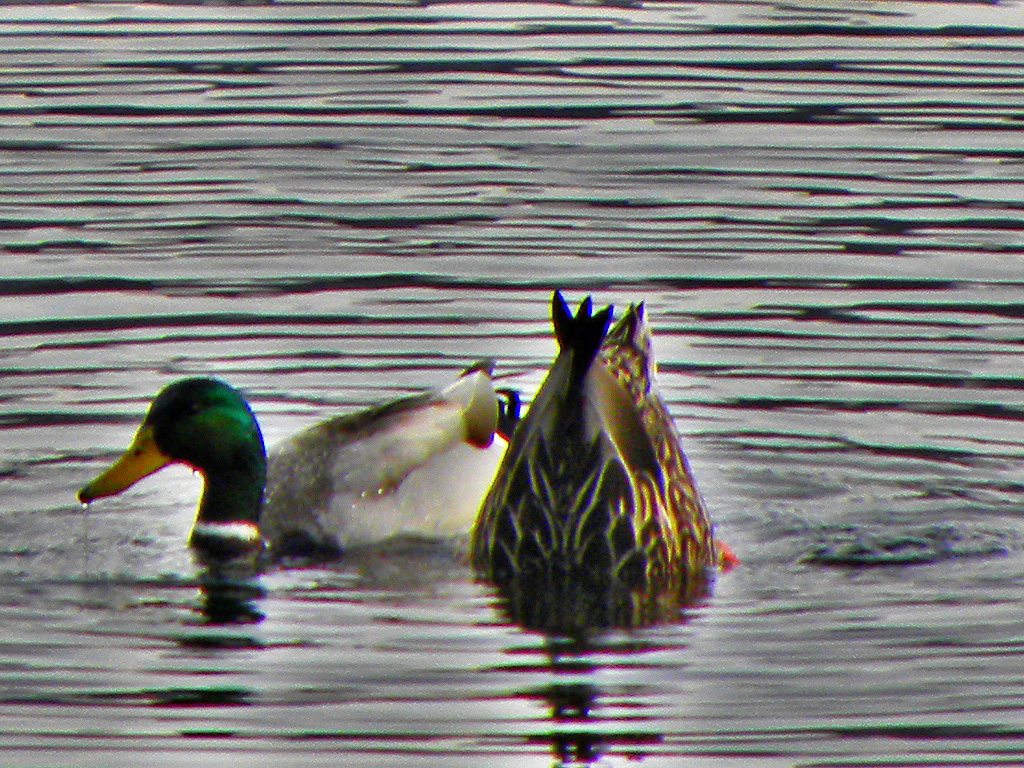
(329, 204)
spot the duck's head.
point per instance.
(207, 425)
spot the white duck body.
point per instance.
(417, 466)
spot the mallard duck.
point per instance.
(593, 518)
(350, 480)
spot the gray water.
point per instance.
(330, 204)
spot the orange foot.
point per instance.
(727, 559)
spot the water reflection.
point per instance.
(574, 739)
(231, 591)
(575, 608)
(589, 718)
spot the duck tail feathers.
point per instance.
(580, 335)
(483, 365)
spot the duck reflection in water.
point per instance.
(594, 519)
(585, 721)
(338, 483)
(229, 576)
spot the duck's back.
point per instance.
(627, 355)
(418, 466)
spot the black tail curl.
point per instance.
(580, 335)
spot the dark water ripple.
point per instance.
(333, 203)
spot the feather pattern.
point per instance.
(594, 518)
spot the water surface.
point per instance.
(330, 204)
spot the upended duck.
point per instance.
(594, 518)
(349, 481)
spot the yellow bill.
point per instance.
(141, 459)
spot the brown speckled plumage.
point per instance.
(593, 519)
